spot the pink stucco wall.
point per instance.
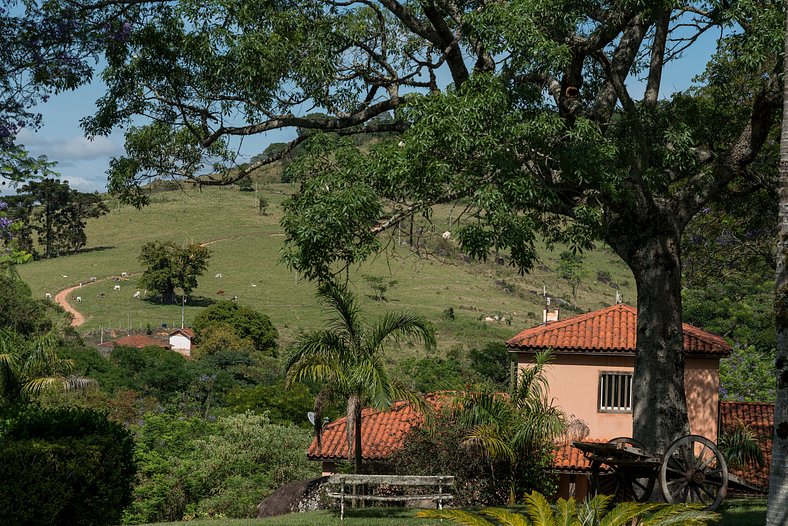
(574, 387)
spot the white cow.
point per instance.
(48, 296)
(124, 274)
(254, 285)
(116, 287)
(92, 279)
(446, 235)
(219, 275)
(79, 299)
(137, 295)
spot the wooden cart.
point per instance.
(692, 470)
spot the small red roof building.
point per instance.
(136, 341)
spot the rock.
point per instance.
(302, 495)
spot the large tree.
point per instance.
(527, 113)
(170, 266)
(48, 48)
(57, 213)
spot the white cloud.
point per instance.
(75, 148)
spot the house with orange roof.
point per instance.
(593, 362)
(590, 378)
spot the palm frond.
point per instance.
(486, 438)
(402, 325)
(539, 510)
(342, 303)
(566, 512)
(740, 445)
(506, 517)
(314, 343)
(78, 383)
(624, 513)
(401, 391)
(591, 511)
(481, 407)
(679, 514)
(318, 368)
(465, 518)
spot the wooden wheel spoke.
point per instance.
(713, 482)
(696, 491)
(698, 459)
(676, 481)
(707, 463)
(685, 493)
(711, 495)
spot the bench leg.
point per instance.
(440, 496)
(342, 502)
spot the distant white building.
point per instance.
(181, 341)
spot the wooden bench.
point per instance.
(351, 482)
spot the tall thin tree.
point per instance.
(777, 511)
(347, 359)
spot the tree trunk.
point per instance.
(169, 298)
(353, 427)
(777, 509)
(358, 461)
(659, 399)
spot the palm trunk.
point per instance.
(777, 510)
(353, 427)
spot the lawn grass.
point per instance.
(750, 512)
(734, 513)
(377, 517)
(245, 249)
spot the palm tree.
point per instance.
(512, 427)
(777, 509)
(28, 367)
(594, 512)
(347, 359)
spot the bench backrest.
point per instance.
(398, 480)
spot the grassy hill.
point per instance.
(245, 249)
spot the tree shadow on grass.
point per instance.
(95, 249)
(192, 301)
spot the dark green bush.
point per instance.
(441, 449)
(245, 321)
(64, 466)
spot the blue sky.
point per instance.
(84, 163)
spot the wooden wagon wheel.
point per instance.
(694, 470)
(623, 483)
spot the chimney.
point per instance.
(547, 314)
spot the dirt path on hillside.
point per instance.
(61, 298)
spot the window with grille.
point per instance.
(615, 392)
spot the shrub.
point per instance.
(493, 362)
(245, 321)
(439, 450)
(67, 466)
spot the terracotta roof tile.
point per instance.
(186, 331)
(382, 431)
(136, 341)
(760, 417)
(612, 329)
(569, 458)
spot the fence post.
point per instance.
(342, 500)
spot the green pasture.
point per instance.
(245, 249)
